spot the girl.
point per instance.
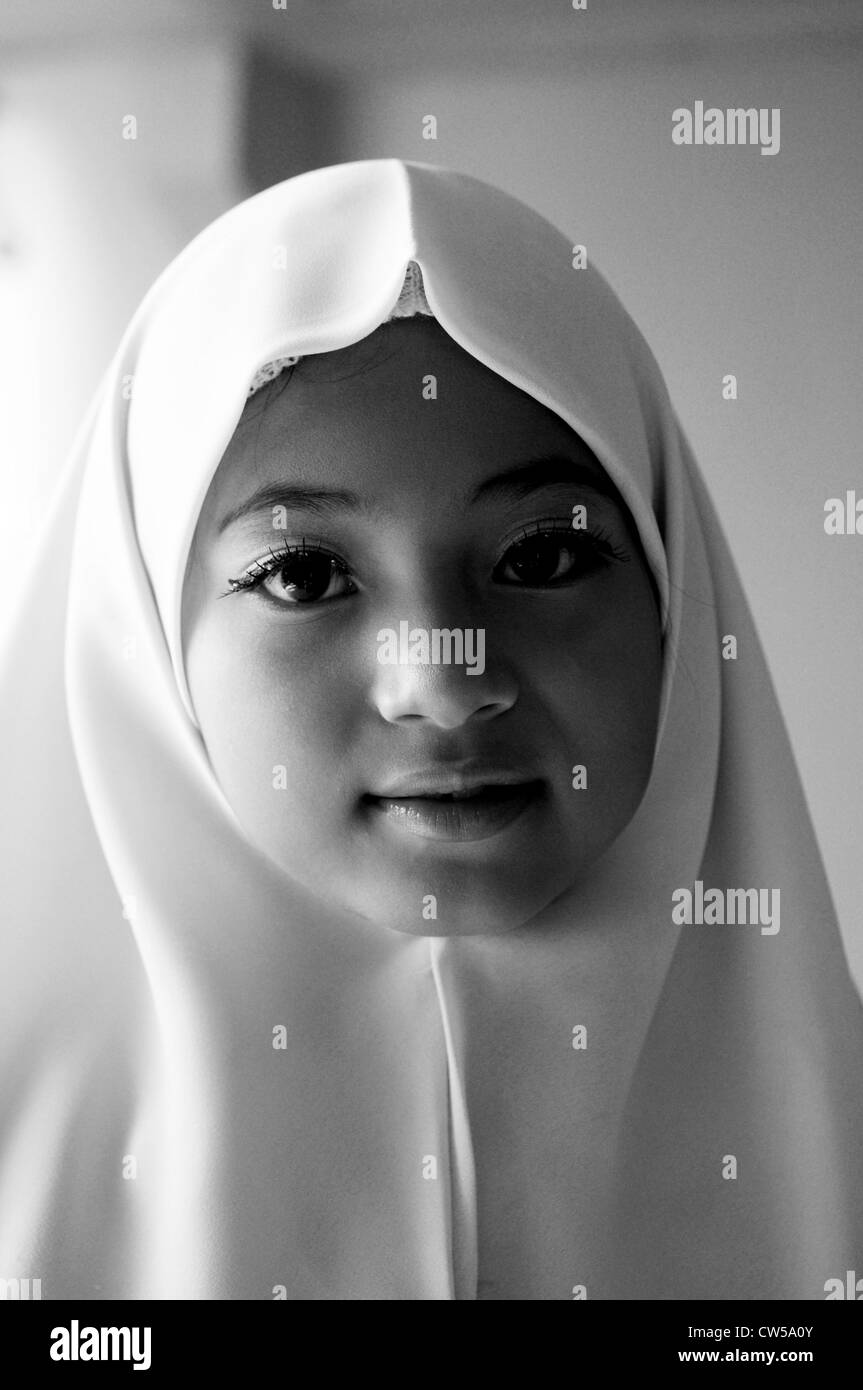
(404, 899)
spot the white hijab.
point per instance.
(153, 1140)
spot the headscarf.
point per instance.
(155, 1143)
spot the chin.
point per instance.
(428, 913)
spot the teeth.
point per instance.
(458, 796)
(452, 796)
(472, 794)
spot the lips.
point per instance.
(442, 804)
(453, 780)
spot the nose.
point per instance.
(427, 683)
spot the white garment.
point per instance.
(411, 301)
(149, 951)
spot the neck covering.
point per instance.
(155, 1143)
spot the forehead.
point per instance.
(405, 409)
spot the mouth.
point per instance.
(461, 813)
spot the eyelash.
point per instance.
(261, 569)
(599, 540)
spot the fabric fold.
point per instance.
(212, 1085)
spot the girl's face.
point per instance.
(390, 594)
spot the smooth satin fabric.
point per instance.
(154, 1143)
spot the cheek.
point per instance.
(627, 681)
(600, 681)
(277, 728)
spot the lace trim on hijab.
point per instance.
(412, 300)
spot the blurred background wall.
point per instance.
(729, 260)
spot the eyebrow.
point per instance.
(532, 475)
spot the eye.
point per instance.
(551, 555)
(297, 576)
